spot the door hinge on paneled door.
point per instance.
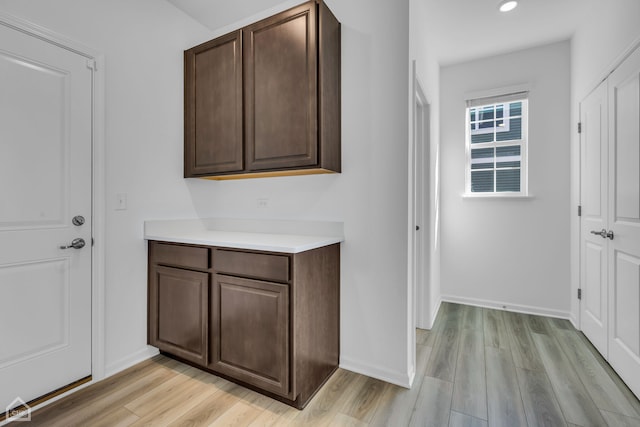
(579, 127)
(579, 293)
(579, 210)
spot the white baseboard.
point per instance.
(402, 379)
(518, 308)
(434, 313)
(424, 322)
(128, 361)
(574, 321)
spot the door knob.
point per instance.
(603, 233)
(75, 244)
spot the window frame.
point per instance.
(523, 143)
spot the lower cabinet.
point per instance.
(269, 321)
(178, 313)
(249, 337)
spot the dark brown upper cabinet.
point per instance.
(265, 100)
(213, 107)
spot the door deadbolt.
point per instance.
(78, 220)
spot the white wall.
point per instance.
(607, 33)
(143, 43)
(510, 252)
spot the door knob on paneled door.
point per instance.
(603, 233)
(75, 244)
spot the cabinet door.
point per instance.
(213, 107)
(281, 90)
(178, 312)
(250, 332)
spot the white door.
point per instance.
(624, 221)
(593, 248)
(45, 180)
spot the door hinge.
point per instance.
(579, 127)
(91, 64)
(579, 293)
(579, 210)
(92, 242)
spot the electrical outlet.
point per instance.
(263, 203)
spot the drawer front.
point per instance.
(253, 265)
(183, 256)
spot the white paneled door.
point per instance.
(624, 221)
(45, 181)
(610, 223)
(593, 248)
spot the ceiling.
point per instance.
(471, 29)
(216, 14)
(464, 29)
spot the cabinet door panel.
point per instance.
(178, 312)
(281, 90)
(213, 108)
(250, 332)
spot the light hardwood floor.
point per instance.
(476, 367)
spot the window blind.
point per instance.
(498, 99)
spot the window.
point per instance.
(496, 140)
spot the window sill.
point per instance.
(499, 196)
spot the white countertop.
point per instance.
(262, 235)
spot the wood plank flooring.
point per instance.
(476, 367)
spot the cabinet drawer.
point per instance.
(184, 256)
(254, 265)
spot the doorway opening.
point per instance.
(419, 213)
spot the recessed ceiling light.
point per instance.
(507, 5)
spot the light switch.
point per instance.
(121, 202)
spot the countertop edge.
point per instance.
(292, 249)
